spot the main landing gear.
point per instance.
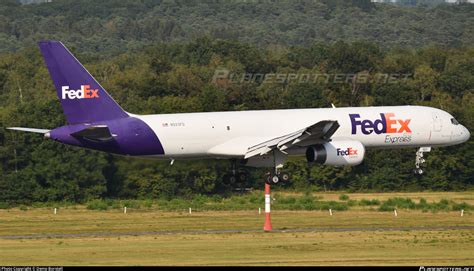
(419, 161)
(235, 175)
(277, 177)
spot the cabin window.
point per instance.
(454, 121)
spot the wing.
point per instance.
(316, 133)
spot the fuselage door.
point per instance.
(437, 125)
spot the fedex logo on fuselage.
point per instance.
(347, 152)
(385, 125)
(85, 92)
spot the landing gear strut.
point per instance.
(278, 176)
(419, 161)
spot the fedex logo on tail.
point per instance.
(85, 92)
(385, 125)
(347, 152)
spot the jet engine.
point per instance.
(336, 153)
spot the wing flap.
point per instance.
(318, 132)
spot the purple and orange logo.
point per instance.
(85, 92)
(387, 124)
(347, 152)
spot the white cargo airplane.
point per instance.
(330, 136)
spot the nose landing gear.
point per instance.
(419, 160)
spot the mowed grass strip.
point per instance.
(454, 247)
(467, 196)
(15, 222)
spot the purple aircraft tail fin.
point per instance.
(83, 99)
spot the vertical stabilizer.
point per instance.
(82, 98)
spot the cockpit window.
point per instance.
(454, 121)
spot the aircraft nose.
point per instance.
(465, 134)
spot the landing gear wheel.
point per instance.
(284, 176)
(229, 178)
(418, 171)
(242, 177)
(275, 179)
(268, 179)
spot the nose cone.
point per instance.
(467, 134)
(464, 134)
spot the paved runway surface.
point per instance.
(107, 234)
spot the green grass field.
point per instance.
(359, 236)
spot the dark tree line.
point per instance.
(119, 25)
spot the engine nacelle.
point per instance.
(336, 153)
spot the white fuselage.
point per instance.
(230, 134)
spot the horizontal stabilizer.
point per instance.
(31, 130)
(98, 133)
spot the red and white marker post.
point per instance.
(268, 223)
